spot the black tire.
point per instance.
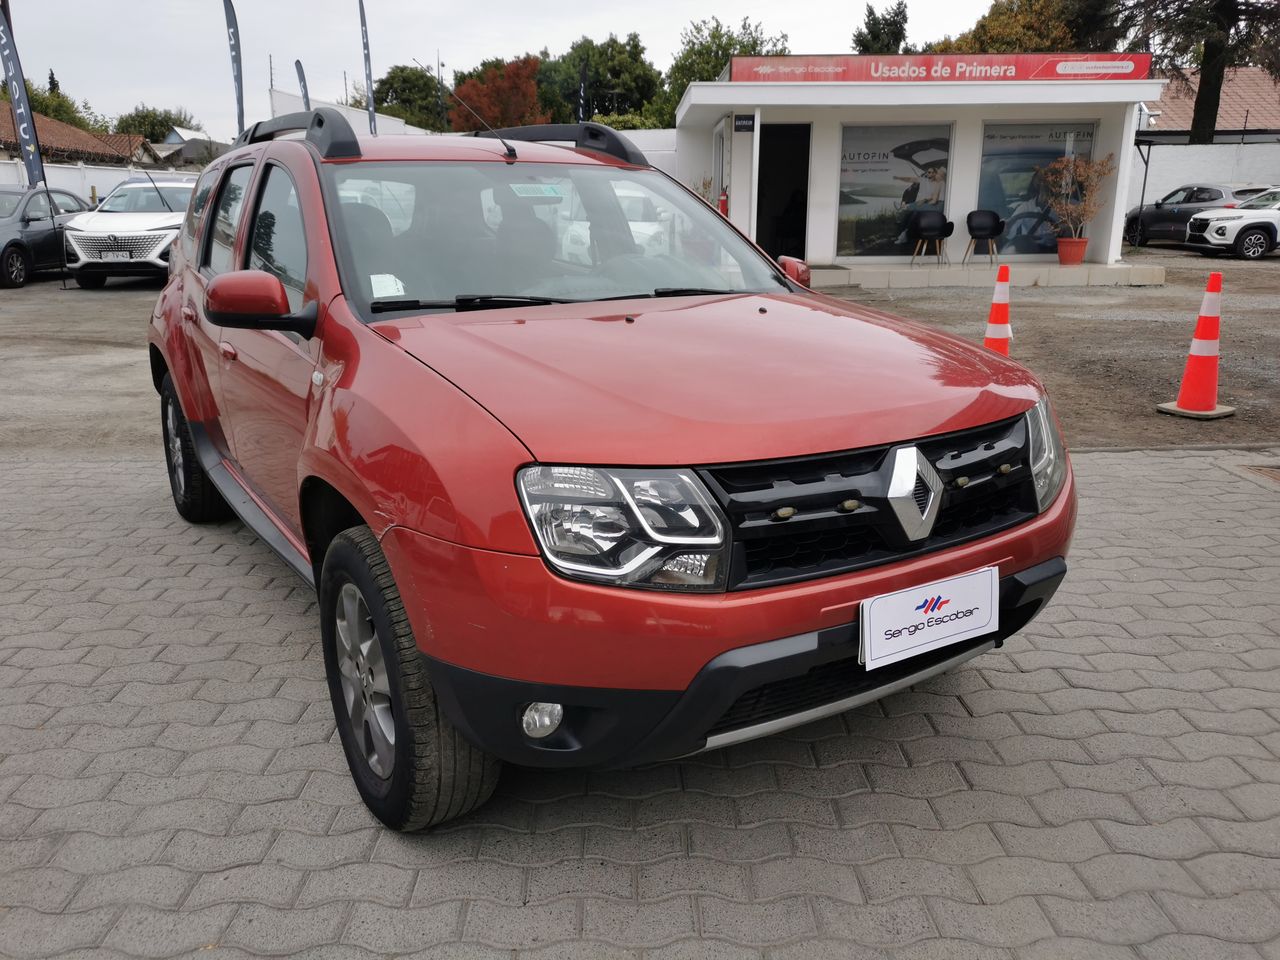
(194, 495)
(430, 773)
(90, 281)
(1135, 234)
(15, 267)
(1253, 243)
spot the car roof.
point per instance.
(474, 149)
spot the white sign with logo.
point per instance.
(905, 624)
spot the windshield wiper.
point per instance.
(688, 291)
(464, 301)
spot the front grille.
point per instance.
(842, 519)
(824, 684)
(140, 245)
(1198, 227)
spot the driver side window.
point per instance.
(226, 221)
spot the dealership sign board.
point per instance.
(941, 68)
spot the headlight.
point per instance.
(638, 528)
(1048, 458)
(1229, 216)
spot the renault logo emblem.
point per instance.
(915, 491)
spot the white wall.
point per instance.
(1173, 164)
(77, 177)
(658, 146)
(282, 102)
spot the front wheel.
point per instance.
(1134, 233)
(1253, 244)
(13, 268)
(412, 767)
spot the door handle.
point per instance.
(188, 313)
(227, 350)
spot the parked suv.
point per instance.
(130, 232)
(1166, 219)
(570, 514)
(1249, 230)
(31, 224)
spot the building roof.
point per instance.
(129, 145)
(1250, 98)
(186, 133)
(58, 140)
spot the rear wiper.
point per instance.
(464, 301)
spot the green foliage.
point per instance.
(413, 95)
(627, 121)
(56, 104)
(882, 32)
(705, 49)
(1014, 26)
(153, 122)
(618, 78)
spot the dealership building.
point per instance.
(827, 157)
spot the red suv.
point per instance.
(581, 477)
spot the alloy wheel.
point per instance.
(366, 690)
(173, 443)
(15, 267)
(1255, 245)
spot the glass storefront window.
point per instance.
(887, 174)
(1010, 185)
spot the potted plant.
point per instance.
(1069, 189)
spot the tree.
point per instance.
(54, 87)
(413, 95)
(1205, 37)
(626, 121)
(154, 123)
(56, 104)
(705, 49)
(618, 78)
(1014, 26)
(505, 96)
(882, 32)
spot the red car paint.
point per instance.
(421, 424)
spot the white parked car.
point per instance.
(130, 231)
(650, 229)
(1249, 229)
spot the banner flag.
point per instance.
(368, 74)
(233, 38)
(23, 120)
(302, 82)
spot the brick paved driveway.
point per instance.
(1108, 785)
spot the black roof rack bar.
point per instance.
(326, 129)
(584, 136)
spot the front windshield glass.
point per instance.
(1262, 201)
(421, 233)
(143, 198)
(9, 204)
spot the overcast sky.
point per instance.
(116, 53)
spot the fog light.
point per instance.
(541, 719)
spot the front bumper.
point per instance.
(1209, 239)
(741, 694)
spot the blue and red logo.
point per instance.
(933, 605)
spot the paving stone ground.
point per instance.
(1106, 785)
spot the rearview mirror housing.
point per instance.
(796, 270)
(255, 300)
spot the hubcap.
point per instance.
(365, 688)
(1254, 245)
(17, 267)
(173, 442)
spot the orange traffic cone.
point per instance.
(999, 333)
(1198, 397)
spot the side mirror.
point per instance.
(796, 270)
(255, 300)
(1159, 204)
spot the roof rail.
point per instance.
(584, 136)
(326, 129)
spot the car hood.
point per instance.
(699, 380)
(99, 222)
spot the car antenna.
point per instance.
(511, 151)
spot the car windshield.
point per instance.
(421, 234)
(145, 198)
(1262, 201)
(9, 204)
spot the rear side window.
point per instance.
(199, 200)
(278, 242)
(66, 203)
(1205, 195)
(226, 220)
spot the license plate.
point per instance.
(116, 255)
(905, 624)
